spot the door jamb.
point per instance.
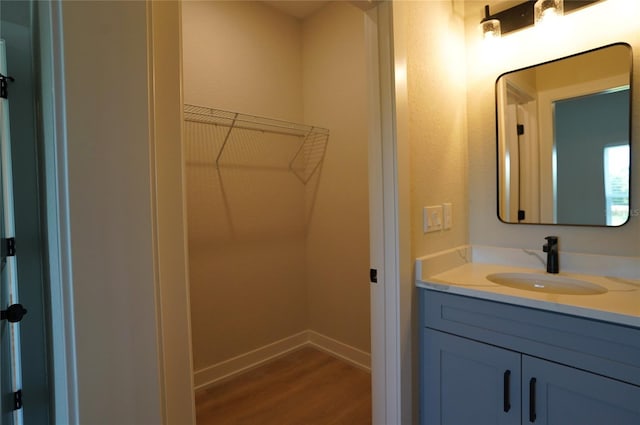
(383, 219)
(57, 218)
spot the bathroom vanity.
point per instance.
(493, 354)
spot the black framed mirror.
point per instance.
(564, 140)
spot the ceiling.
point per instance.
(304, 8)
(299, 9)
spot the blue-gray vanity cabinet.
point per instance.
(565, 395)
(468, 382)
(479, 357)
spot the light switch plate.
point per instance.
(447, 215)
(432, 218)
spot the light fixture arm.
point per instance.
(522, 16)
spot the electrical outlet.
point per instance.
(432, 218)
(447, 213)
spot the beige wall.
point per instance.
(269, 256)
(246, 225)
(242, 56)
(105, 57)
(335, 97)
(431, 137)
(448, 121)
(437, 120)
(597, 25)
(584, 68)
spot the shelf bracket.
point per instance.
(226, 138)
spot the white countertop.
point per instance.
(620, 304)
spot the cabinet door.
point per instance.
(467, 382)
(554, 394)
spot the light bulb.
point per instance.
(491, 29)
(546, 10)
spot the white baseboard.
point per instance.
(235, 366)
(341, 350)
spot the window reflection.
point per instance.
(616, 183)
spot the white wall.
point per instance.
(105, 54)
(597, 25)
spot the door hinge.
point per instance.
(521, 214)
(17, 400)
(520, 129)
(9, 247)
(14, 313)
(373, 275)
(4, 79)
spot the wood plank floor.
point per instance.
(306, 387)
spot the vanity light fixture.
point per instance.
(526, 14)
(490, 26)
(545, 10)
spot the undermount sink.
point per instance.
(546, 283)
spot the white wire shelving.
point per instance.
(241, 140)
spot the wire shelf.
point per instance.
(234, 139)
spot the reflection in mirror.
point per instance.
(564, 140)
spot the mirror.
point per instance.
(563, 131)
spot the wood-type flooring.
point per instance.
(305, 387)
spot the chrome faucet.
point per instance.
(551, 248)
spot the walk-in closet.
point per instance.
(276, 166)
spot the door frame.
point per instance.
(385, 229)
(57, 216)
(384, 226)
